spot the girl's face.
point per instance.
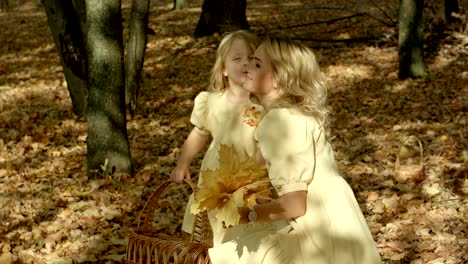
(260, 80)
(236, 61)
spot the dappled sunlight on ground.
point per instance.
(50, 211)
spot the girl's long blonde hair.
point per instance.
(299, 78)
(219, 82)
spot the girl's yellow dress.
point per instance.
(333, 229)
(228, 123)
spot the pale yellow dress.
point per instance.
(333, 230)
(214, 114)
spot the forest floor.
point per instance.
(50, 212)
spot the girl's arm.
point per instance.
(194, 143)
(287, 207)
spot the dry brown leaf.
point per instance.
(43, 145)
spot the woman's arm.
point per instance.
(288, 206)
(194, 143)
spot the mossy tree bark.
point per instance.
(411, 39)
(64, 24)
(107, 142)
(135, 51)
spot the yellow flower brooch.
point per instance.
(252, 116)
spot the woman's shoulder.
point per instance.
(278, 118)
(283, 130)
(288, 118)
(285, 114)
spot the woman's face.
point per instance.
(260, 80)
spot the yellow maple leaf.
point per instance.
(236, 183)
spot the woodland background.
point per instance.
(50, 212)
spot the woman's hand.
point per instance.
(288, 206)
(243, 212)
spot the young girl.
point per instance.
(326, 225)
(221, 112)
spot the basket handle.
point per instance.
(146, 216)
(421, 155)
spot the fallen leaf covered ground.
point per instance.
(50, 212)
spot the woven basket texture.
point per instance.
(146, 246)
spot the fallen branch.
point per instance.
(350, 40)
(384, 13)
(321, 22)
(392, 24)
(450, 200)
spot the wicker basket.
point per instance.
(145, 246)
(412, 173)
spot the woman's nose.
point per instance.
(249, 65)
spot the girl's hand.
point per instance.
(179, 173)
(263, 200)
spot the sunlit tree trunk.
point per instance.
(180, 4)
(219, 16)
(107, 142)
(135, 51)
(411, 39)
(69, 40)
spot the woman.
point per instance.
(326, 224)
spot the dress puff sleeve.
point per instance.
(285, 139)
(199, 116)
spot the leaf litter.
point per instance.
(50, 212)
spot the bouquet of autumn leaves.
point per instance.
(236, 183)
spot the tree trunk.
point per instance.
(69, 40)
(4, 5)
(80, 10)
(411, 39)
(219, 16)
(450, 6)
(135, 51)
(180, 4)
(107, 142)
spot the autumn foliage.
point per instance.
(236, 183)
(50, 212)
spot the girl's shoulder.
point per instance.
(206, 95)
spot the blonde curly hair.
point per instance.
(219, 82)
(299, 78)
